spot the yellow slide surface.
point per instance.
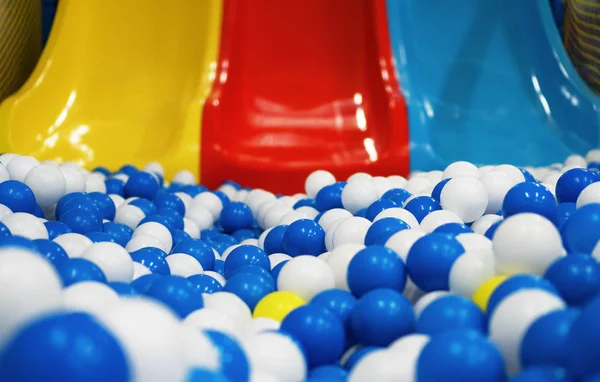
(120, 81)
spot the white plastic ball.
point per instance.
(184, 265)
(257, 197)
(397, 181)
(416, 185)
(228, 190)
(359, 176)
(469, 271)
(331, 216)
(139, 270)
(26, 225)
(230, 304)
(482, 224)
(249, 241)
(4, 175)
(123, 177)
(512, 171)
(184, 177)
(240, 196)
(407, 350)
(496, 184)
(19, 167)
(401, 242)
(378, 365)
(262, 237)
(94, 182)
(275, 214)
(30, 287)
(262, 324)
(306, 276)
(277, 258)
(89, 296)
(513, 316)
(154, 167)
(287, 200)
(74, 244)
(151, 337)
(427, 299)
(156, 230)
(434, 176)
(382, 184)
(74, 179)
(592, 156)
(210, 201)
(308, 211)
(465, 196)
(129, 215)
(461, 168)
(117, 200)
(7, 157)
(112, 259)
(316, 181)
(323, 256)
(199, 350)
(576, 161)
(351, 230)
(589, 195)
(4, 211)
(185, 198)
(475, 242)
(201, 216)
(291, 217)
(217, 276)
(526, 242)
(400, 213)
(276, 354)
(213, 319)
(191, 228)
(262, 210)
(438, 218)
(228, 251)
(339, 259)
(358, 194)
(143, 241)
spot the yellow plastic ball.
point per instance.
(482, 295)
(277, 305)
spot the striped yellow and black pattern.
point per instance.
(20, 42)
(582, 38)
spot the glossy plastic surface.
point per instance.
(119, 82)
(302, 85)
(489, 82)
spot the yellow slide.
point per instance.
(120, 81)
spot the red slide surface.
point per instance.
(303, 85)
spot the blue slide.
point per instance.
(489, 81)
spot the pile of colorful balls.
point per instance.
(478, 274)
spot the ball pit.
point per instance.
(466, 274)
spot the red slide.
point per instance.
(303, 85)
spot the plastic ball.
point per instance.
(460, 168)
(375, 364)
(517, 283)
(460, 355)
(482, 224)
(89, 296)
(73, 243)
(545, 373)
(327, 373)
(199, 250)
(277, 355)
(337, 301)
(277, 305)
(316, 181)
(329, 217)
(124, 289)
(139, 270)
(236, 216)
(82, 221)
(273, 240)
(319, 331)
(305, 276)
(582, 230)
(496, 184)
(230, 304)
(572, 182)
(589, 195)
(205, 283)
(339, 260)
(420, 207)
(304, 237)
(129, 215)
(438, 218)
(469, 271)
(576, 277)
(85, 351)
(564, 212)
(530, 197)
(152, 258)
(380, 231)
(51, 250)
(26, 225)
(98, 237)
(178, 293)
(453, 229)
(448, 313)
(382, 316)
(120, 232)
(583, 357)
(234, 362)
(401, 242)
(141, 184)
(183, 265)
(375, 267)
(115, 186)
(437, 190)
(377, 207)
(19, 167)
(430, 260)
(244, 255)
(251, 288)
(484, 291)
(166, 199)
(358, 194)
(465, 196)
(113, 259)
(351, 230)
(17, 196)
(47, 183)
(513, 317)
(526, 242)
(397, 195)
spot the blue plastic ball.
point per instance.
(164, 220)
(340, 303)
(193, 189)
(115, 186)
(453, 229)
(64, 347)
(274, 240)
(143, 283)
(80, 202)
(82, 221)
(152, 258)
(75, 270)
(516, 283)
(178, 293)
(17, 196)
(572, 182)
(277, 269)
(51, 250)
(397, 195)
(436, 193)
(4, 231)
(220, 267)
(147, 207)
(528, 176)
(119, 232)
(18, 242)
(179, 236)
(254, 269)
(203, 375)
(205, 283)
(246, 255)
(166, 199)
(383, 229)
(492, 230)
(378, 206)
(306, 202)
(327, 373)
(175, 187)
(530, 197)
(234, 363)
(102, 170)
(448, 313)
(430, 260)
(362, 213)
(199, 250)
(56, 229)
(545, 342)
(304, 237)
(583, 343)
(244, 234)
(564, 212)
(141, 184)
(175, 220)
(235, 216)
(250, 287)
(224, 198)
(544, 373)
(422, 206)
(38, 212)
(320, 332)
(582, 230)
(330, 196)
(128, 169)
(124, 289)
(576, 277)
(382, 316)
(64, 200)
(375, 267)
(100, 237)
(105, 203)
(460, 355)
(358, 354)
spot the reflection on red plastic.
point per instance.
(303, 85)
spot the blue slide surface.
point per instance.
(489, 81)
